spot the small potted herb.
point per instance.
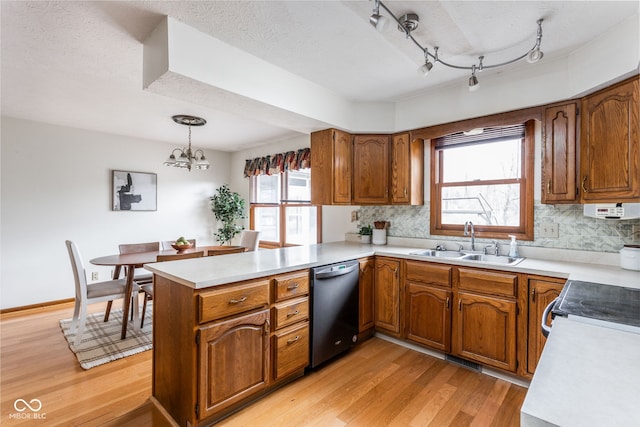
(365, 232)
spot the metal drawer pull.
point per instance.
(291, 314)
(292, 287)
(237, 301)
(291, 341)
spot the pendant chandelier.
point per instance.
(409, 22)
(188, 158)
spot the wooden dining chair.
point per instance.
(166, 244)
(138, 278)
(225, 251)
(147, 288)
(250, 239)
(88, 293)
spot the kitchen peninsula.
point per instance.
(198, 302)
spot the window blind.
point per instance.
(495, 134)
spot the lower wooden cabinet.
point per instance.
(290, 350)
(541, 292)
(233, 361)
(484, 330)
(387, 295)
(428, 316)
(365, 292)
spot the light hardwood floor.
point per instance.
(376, 384)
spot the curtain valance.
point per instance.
(278, 163)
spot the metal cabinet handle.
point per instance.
(405, 191)
(447, 304)
(291, 341)
(291, 314)
(533, 295)
(292, 287)
(460, 305)
(549, 186)
(584, 187)
(238, 301)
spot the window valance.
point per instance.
(278, 163)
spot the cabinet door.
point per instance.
(387, 295)
(541, 293)
(331, 162)
(428, 316)
(559, 152)
(233, 361)
(407, 170)
(371, 169)
(485, 330)
(365, 287)
(610, 147)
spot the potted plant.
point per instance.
(365, 233)
(228, 207)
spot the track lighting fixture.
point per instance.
(378, 21)
(408, 22)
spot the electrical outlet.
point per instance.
(548, 230)
(354, 216)
(94, 275)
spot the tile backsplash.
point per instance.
(575, 231)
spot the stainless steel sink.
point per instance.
(492, 259)
(435, 253)
(478, 257)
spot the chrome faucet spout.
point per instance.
(468, 225)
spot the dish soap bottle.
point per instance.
(513, 247)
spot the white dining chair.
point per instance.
(250, 239)
(90, 293)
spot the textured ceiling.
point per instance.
(80, 63)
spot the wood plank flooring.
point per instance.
(376, 384)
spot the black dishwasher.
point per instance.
(334, 310)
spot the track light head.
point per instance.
(378, 21)
(474, 84)
(425, 68)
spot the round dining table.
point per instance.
(132, 261)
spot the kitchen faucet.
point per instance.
(473, 234)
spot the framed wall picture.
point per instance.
(134, 191)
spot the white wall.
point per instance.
(336, 220)
(56, 184)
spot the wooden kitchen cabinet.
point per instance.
(541, 292)
(365, 294)
(387, 295)
(233, 361)
(331, 167)
(427, 308)
(559, 154)
(484, 318)
(610, 146)
(407, 170)
(371, 169)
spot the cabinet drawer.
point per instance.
(488, 282)
(290, 312)
(291, 350)
(424, 272)
(292, 285)
(233, 300)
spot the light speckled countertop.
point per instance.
(587, 376)
(211, 271)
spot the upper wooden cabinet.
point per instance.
(407, 170)
(610, 147)
(371, 169)
(559, 154)
(331, 167)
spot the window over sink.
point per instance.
(485, 178)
